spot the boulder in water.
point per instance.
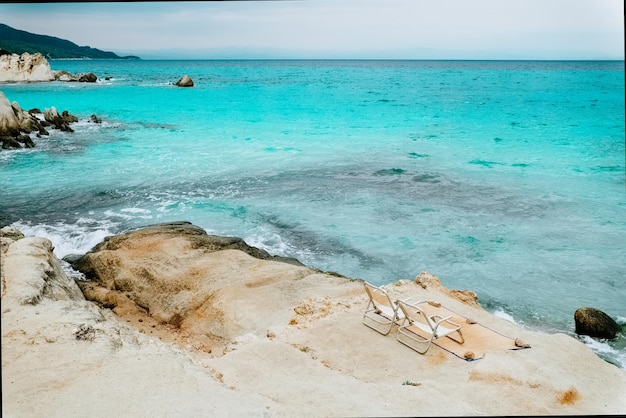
(185, 81)
(595, 323)
(16, 123)
(61, 121)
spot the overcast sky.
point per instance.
(410, 29)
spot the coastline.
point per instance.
(298, 348)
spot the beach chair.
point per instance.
(419, 330)
(381, 312)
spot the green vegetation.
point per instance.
(18, 41)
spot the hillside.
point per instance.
(18, 41)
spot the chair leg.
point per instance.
(461, 340)
(377, 322)
(414, 341)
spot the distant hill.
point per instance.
(18, 41)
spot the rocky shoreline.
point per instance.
(17, 126)
(35, 68)
(170, 321)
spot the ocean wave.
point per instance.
(606, 351)
(67, 239)
(500, 313)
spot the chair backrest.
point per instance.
(380, 299)
(417, 316)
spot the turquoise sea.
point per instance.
(504, 177)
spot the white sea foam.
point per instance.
(605, 350)
(129, 214)
(500, 313)
(270, 242)
(69, 239)
(136, 210)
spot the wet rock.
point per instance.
(595, 323)
(26, 140)
(62, 75)
(62, 121)
(87, 78)
(16, 123)
(185, 81)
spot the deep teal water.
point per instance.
(507, 178)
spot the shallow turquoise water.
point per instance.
(507, 178)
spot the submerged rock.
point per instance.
(595, 323)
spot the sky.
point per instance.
(353, 29)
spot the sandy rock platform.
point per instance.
(179, 326)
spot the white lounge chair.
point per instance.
(419, 330)
(381, 312)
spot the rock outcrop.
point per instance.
(429, 281)
(62, 75)
(185, 81)
(45, 278)
(35, 67)
(62, 121)
(16, 125)
(595, 323)
(177, 274)
(25, 67)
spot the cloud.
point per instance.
(376, 28)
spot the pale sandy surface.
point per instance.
(322, 362)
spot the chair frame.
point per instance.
(436, 326)
(381, 313)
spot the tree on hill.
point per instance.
(18, 41)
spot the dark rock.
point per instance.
(26, 140)
(62, 75)
(72, 258)
(185, 81)
(9, 142)
(595, 323)
(62, 121)
(95, 119)
(87, 78)
(68, 118)
(15, 123)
